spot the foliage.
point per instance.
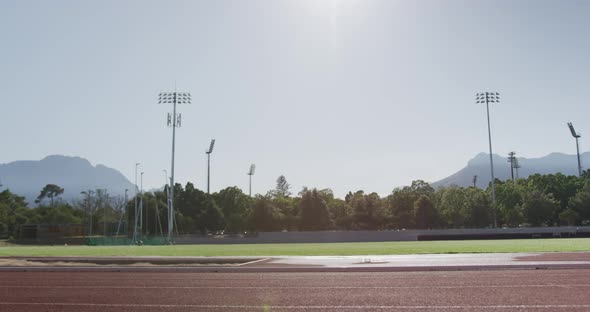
(536, 200)
(314, 212)
(538, 207)
(50, 191)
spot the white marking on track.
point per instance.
(291, 287)
(253, 261)
(299, 307)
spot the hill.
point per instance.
(74, 174)
(480, 166)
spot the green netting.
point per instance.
(122, 241)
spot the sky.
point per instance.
(341, 94)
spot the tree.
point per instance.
(580, 203)
(211, 218)
(282, 188)
(314, 212)
(452, 207)
(509, 197)
(569, 217)
(400, 206)
(235, 207)
(13, 212)
(425, 212)
(50, 191)
(478, 207)
(340, 214)
(400, 203)
(538, 208)
(264, 217)
(368, 213)
(560, 186)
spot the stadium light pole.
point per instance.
(167, 192)
(141, 204)
(576, 136)
(209, 164)
(174, 120)
(135, 200)
(487, 98)
(251, 173)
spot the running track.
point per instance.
(478, 290)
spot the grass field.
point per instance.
(323, 249)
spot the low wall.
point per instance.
(386, 236)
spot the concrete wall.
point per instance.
(374, 236)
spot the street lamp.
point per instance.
(251, 173)
(576, 136)
(490, 97)
(209, 164)
(174, 120)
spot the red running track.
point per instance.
(493, 290)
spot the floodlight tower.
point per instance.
(576, 136)
(487, 98)
(174, 120)
(209, 164)
(511, 160)
(251, 173)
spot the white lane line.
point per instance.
(300, 307)
(292, 287)
(253, 261)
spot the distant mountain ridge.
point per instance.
(74, 174)
(480, 166)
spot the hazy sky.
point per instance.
(346, 94)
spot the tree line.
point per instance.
(538, 200)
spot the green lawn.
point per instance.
(324, 249)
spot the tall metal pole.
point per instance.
(135, 212)
(171, 211)
(578, 152)
(104, 223)
(251, 173)
(208, 173)
(174, 121)
(167, 192)
(490, 97)
(511, 159)
(208, 152)
(492, 165)
(141, 206)
(576, 136)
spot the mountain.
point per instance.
(480, 166)
(74, 174)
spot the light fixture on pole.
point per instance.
(251, 173)
(487, 98)
(209, 164)
(576, 136)
(512, 161)
(174, 120)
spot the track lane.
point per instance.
(516, 290)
